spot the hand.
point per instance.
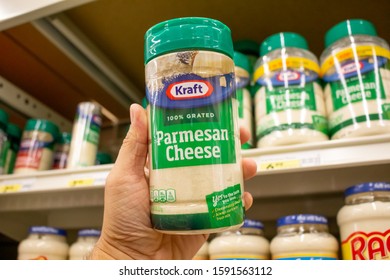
(127, 231)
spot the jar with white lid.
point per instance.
(242, 70)
(84, 244)
(203, 252)
(303, 237)
(289, 103)
(44, 243)
(246, 243)
(356, 69)
(364, 222)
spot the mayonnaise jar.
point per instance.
(44, 243)
(356, 69)
(289, 103)
(84, 244)
(364, 222)
(246, 243)
(303, 237)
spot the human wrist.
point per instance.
(103, 251)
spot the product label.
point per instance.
(30, 153)
(193, 122)
(60, 160)
(367, 246)
(239, 257)
(240, 99)
(306, 256)
(92, 124)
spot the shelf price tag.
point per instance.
(10, 188)
(81, 182)
(280, 164)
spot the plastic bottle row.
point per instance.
(297, 99)
(364, 224)
(41, 146)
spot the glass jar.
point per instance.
(84, 244)
(364, 222)
(61, 150)
(246, 243)
(303, 237)
(44, 243)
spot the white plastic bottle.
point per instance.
(364, 222)
(289, 102)
(86, 240)
(246, 243)
(355, 66)
(304, 237)
(44, 243)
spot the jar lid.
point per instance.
(282, 40)
(47, 230)
(3, 117)
(348, 28)
(247, 46)
(368, 187)
(103, 158)
(14, 130)
(64, 138)
(301, 219)
(144, 102)
(42, 125)
(253, 224)
(89, 232)
(241, 60)
(187, 33)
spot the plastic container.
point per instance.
(246, 243)
(85, 135)
(14, 135)
(203, 253)
(3, 140)
(355, 66)
(36, 147)
(196, 180)
(84, 244)
(242, 71)
(289, 102)
(44, 243)
(303, 237)
(364, 222)
(61, 150)
(250, 49)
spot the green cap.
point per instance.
(348, 28)
(187, 33)
(248, 47)
(14, 130)
(42, 125)
(144, 102)
(103, 158)
(3, 117)
(241, 60)
(282, 40)
(64, 138)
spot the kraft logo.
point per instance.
(289, 76)
(189, 89)
(351, 67)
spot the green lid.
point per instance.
(144, 102)
(3, 117)
(42, 125)
(187, 33)
(248, 47)
(241, 60)
(14, 130)
(348, 28)
(64, 138)
(282, 40)
(103, 158)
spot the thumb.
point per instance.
(132, 154)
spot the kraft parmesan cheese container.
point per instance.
(303, 237)
(289, 102)
(364, 222)
(196, 180)
(355, 66)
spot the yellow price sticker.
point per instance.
(81, 182)
(283, 164)
(10, 188)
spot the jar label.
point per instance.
(91, 124)
(193, 122)
(306, 256)
(367, 246)
(31, 153)
(359, 89)
(245, 256)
